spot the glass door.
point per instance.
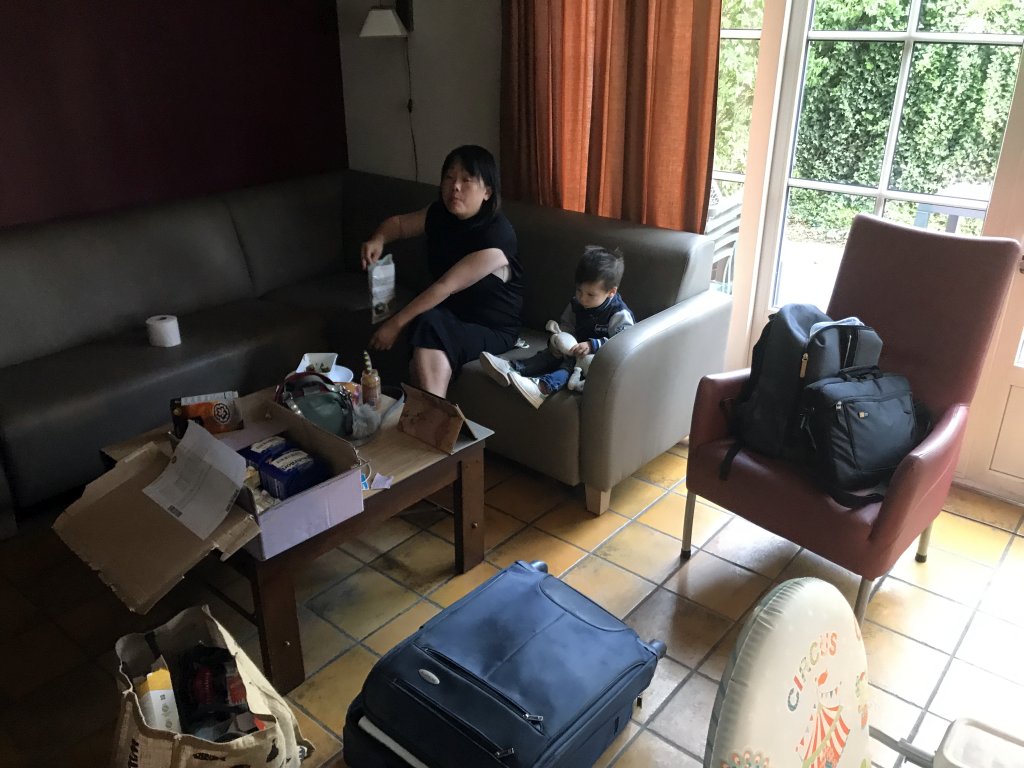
(900, 112)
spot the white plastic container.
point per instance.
(970, 744)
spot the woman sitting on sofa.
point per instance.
(475, 302)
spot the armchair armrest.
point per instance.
(640, 388)
(921, 483)
(710, 422)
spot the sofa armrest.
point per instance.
(921, 483)
(710, 421)
(640, 388)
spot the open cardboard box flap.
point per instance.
(437, 421)
(138, 549)
(141, 551)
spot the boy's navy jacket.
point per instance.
(596, 325)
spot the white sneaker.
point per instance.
(498, 368)
(528, 388)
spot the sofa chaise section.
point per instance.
(76, 371)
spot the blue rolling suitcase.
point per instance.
(523, 672)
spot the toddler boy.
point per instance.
(595, 314)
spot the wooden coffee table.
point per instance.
(418, 469)
(419, 472)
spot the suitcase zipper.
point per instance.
(535, 720)
(467, 730)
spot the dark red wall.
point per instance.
(111, 103)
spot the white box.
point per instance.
(971, 744)
(141, 551)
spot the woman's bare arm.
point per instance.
(392, 228)
(470, 269)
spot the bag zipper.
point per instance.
(519, 710)
(803, 364)
(467, 730)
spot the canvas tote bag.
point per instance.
(140, 745)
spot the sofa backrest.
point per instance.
(369, 199)
(663, 266)
(290, 230)
(67, 282)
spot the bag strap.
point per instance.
(730, 456)
(728, 408)
(854, 500)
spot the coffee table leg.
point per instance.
(278, 623)
(469, 511)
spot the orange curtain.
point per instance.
(608, 106)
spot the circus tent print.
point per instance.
(826, 733)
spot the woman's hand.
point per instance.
(384, 337)
(371, 251)
(581, 350)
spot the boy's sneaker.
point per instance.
(498, 368)
(528, 388)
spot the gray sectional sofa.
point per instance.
(260, 275)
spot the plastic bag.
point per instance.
(382, 288)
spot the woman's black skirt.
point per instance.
(462, 342)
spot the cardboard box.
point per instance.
(141, 550)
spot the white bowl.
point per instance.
(322, 362)
(336, 373)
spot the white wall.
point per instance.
(455, 54)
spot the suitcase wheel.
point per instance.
(659, 648)
(539, 565)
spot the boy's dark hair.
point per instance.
(599, 263)
(479, 163)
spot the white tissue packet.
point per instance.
(382, 288)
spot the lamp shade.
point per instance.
(383, 22)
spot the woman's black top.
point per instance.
(489, 301)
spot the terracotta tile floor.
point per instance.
(943, 638)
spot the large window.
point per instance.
(737, 66)
(901, 113)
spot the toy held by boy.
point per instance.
(595, 314)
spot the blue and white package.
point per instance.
(290, 473)
(263, 450)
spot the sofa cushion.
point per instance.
(290, 230)
(56, 412)
(345, 298)
(70, 282)
(336, 292)
(546, 439)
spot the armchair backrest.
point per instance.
(933, 297)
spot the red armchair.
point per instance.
(934, 298)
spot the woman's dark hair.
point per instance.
(480, 164)
(599, 264)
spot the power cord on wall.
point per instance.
(408, 106)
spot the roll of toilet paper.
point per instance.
(163, 331)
